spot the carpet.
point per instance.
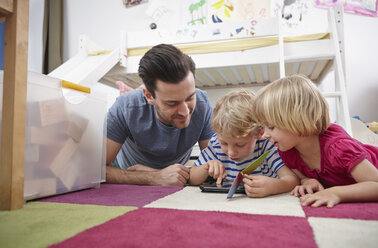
(154, 216)
(39, 224)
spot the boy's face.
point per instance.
(282, 139)
(238, 149)
(174, 103)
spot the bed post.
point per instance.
(343, 115)
(281, 48)
(339, 19)
(13, 129)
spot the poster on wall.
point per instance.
(132, 3)
(194, 12)
(299, 16)
(236, 10)
(363, 7)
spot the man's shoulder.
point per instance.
(132, 98)
(202, 95)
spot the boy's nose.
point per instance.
(232, 152)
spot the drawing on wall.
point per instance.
(220, 10)
(157, 10)
(132, 3)
(291, 11)
(252, 9)
(363, 7)
(299, 16)
(194, 12)
(236, 10)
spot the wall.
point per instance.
(103, 20)
(35, 53)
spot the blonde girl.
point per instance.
(332, 166)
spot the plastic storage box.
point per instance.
(65, 141)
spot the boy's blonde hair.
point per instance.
(293, 103)
(233, 114)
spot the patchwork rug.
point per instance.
(154, 216)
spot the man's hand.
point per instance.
(216, 170)
(173, 175)
(309, 186)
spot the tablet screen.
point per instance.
(223, 188)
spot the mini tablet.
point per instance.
(224, 188)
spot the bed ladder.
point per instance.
(335, 23)
(342, 111)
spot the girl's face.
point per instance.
(282, 139)
(238, 148)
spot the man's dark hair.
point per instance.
(166, 63)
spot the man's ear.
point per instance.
(148, 96)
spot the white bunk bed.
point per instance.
(250, 53)
(245, 54)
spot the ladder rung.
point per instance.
(332, 94)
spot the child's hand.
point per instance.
(259, 186)
(309, 186)
(216, 170)
(325, 197)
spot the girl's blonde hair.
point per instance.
(233, 114)
(293, 103)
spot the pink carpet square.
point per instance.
(151, 227)
(361, 211)
(116, 195)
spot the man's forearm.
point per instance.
(119, 176)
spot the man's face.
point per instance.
(174, 103)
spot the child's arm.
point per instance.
(214, 168)
(261, 186)
(308, 185)
(366, 188)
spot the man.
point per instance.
(151, 131)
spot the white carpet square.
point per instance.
(191, 198)
(333, 233)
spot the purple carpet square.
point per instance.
(116, 195)
(154, 227)
(360, 211)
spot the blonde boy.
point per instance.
(238, 141)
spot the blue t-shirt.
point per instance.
(132, 121)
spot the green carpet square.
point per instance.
(40, 224)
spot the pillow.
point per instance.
(123, 88)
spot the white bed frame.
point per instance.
(215, 68)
